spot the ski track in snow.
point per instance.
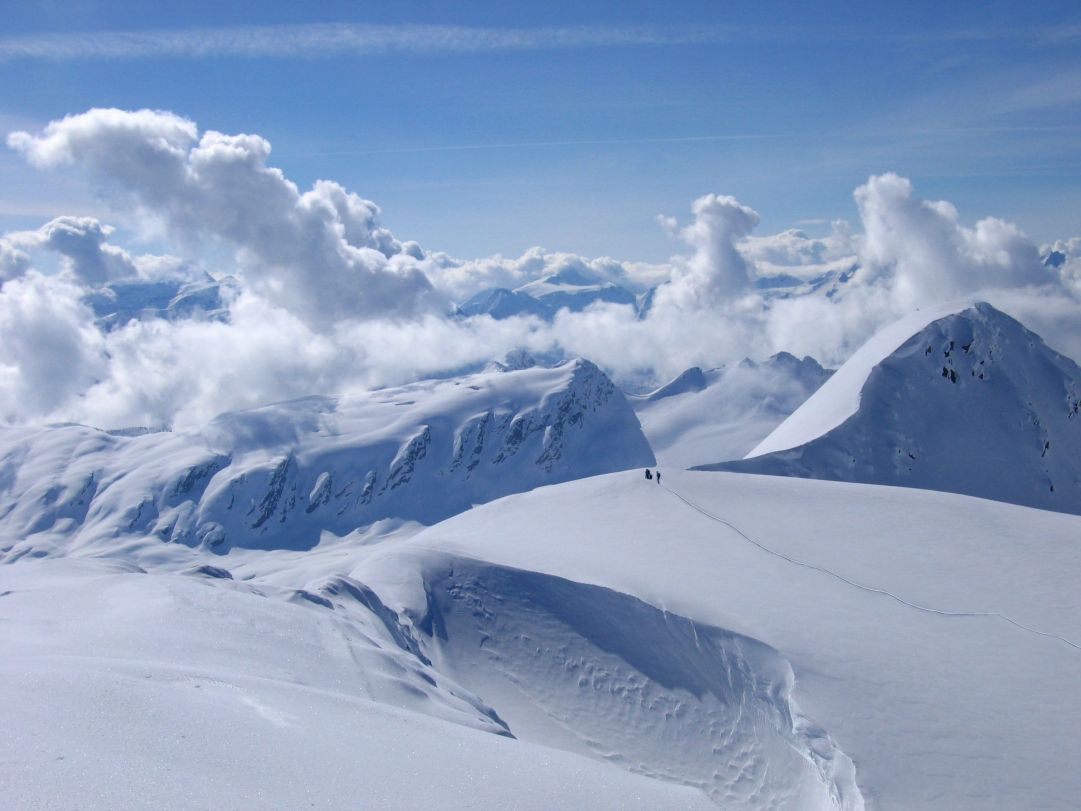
(862, 587)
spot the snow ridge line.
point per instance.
(869, 589)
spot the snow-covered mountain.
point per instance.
(706, 416)
(823, 280)
(280, 476)
(575, 289)
(767, 643)
(969, 402)
(118, 303)
(570, 288)
(309, 604)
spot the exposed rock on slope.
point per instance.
(972, 403)
(276, 477)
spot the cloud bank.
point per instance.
(326, 298)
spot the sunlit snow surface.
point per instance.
(971, 403)
(830, 645)
(708, 416)
(933, 637)
(130, 690)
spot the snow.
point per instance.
(131, 690)
(463, 593)
(568, 289)
(972, 403)
(500, 303)
(280, 476)
(933, 637)
(118, 303)
(605, 675)
(864, 646)
(839, 399)
(704, 417)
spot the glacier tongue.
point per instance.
(279, 476)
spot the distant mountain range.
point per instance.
(705, 416)
(118, 303)
(570, 289)
(574, 290)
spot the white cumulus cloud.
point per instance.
(716, 272)
(321, 253)
(50, 351)
(929, 256)
(329, 299)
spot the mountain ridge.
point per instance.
(972, 403)
(279, 476)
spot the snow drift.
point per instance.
(606, 675)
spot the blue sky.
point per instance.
(572, 125)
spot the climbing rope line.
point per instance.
(860, 586)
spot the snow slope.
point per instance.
(833, 404)
(932, 638)
(127, 689)
(281, 475)
(233, 617)
(972, 402)
(606, 675)
(771, 642)
(702, 417)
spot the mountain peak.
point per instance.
(693, 379)
(971, 402)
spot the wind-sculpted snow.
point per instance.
(606, 675)
(931, 636)
(124, 688)
(279, 476)
(973, 403)
(777, 643)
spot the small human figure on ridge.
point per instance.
(648, 474)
